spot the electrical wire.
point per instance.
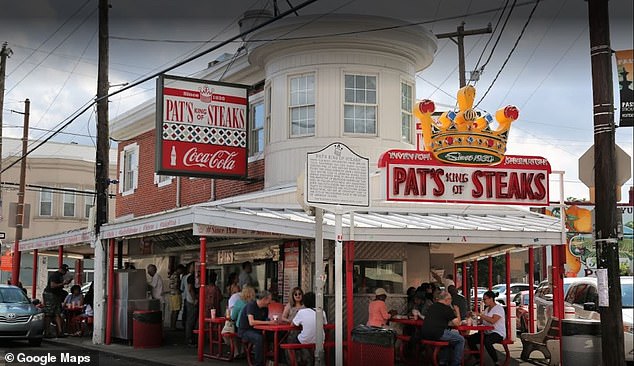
(517, 41)
(492, 35)
(497, 41)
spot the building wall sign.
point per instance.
(76, 237)
(416, 176)
(202, 128)
(210, 230)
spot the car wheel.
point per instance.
(36, 342)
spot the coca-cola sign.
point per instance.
(201, 128)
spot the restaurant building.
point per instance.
(351, 85)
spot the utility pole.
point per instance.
(459, 40)
(4, 53)
(102, 159)
(19, 216)
(605, 179)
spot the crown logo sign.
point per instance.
(463, 137)
(205, 94)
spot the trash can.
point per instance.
(147, 329)
(581, 342)
(372, 346)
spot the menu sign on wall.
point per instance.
(416, 176)
(291, 268)
(201, 128)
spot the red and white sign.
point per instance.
(416, 176)
(202, 128)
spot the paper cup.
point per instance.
(213, 313)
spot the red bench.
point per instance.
(436, 346)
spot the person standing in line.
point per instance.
(156, 284)
(441, 316)
(245, 278)
(232, 284)
(493, 315)
(458, 301)
(175, 295)
(213, 294)
(191, 306)
(378, 316)
(53, 296)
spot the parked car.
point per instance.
(521, 311)
(515, 289)
(544, 300)
(584, 297)
(19, 318)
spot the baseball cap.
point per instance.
(64, 267)
(380, 291)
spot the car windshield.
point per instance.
(10, 295)
(499, 288)
(627, 295)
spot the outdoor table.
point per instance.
(406, 321)
(71, 313)
(480, 328)
(215, 339)
(276, 329)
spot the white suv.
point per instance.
(516, 288)
(584, 297)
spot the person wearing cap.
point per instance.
(53, 296)
(378, 315)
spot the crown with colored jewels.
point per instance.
(206, 94)
(463, 137)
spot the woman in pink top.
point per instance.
(377, 310)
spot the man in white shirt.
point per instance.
(156, 283)
(306, 318)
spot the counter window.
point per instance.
(370, 275)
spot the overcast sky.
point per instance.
(548, 77)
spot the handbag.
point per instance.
(229, 327)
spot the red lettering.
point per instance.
(440, 186)
(422, 174)
(515, 190)
(398, 177)
(478, 190)
(179, 111)
(500, 185)
(540, 178)
(411, 186)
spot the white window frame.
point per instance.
(306, 105)
(88, 204)
(130, 152)
(40, 203)
(256, 101)
(267, 114)
(162, 180)
(73, 197)
(406, 112)
(364, 104)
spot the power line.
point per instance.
(492, 34)
(517, 41)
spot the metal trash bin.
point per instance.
(147, 328)
(372, 346)
(581, 342)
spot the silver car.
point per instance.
(19, 319)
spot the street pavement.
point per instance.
(173, 352)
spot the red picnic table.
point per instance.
(276, 329)
(480, 328)
(215, 339)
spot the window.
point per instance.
(162, 180)
(46, 203)
(267, 122)
(360, 104)
(256, 129)
(406, 112)
(128, 169)
(370, 275)
(87, 205)
(69, 204)
(302, 105)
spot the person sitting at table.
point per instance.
(441, 316)
(256, 312)
(378, 316)
(73, 307)
(493, 315)
(295, 303)
(244, 297)
(306, 319)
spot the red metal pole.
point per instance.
(15, 265)
(201, 297)
(475, 285)
(349, 293)
(60, 256)
(465, 290)
(508, 295)
(78, 271)
(455, 272)
(110, 293)
(34, 277)
(490, 272)
(531, 292)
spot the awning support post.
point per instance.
(34, 277)
(201, 297)
(60, 256)
(490, 272)
(531, 293)
(475, 285)
(338, 288)
(508, 295)
(110, 292)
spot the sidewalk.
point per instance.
(175, 352)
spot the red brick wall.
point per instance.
(149, 198)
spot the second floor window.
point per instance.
(46, 203)
(128, 169)
(406, 112)
(256, 129)
(69, 204)
(359, 114)
(302, 105)
(87, 205)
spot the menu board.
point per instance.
(291, 268)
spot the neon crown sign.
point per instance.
(463, 137)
